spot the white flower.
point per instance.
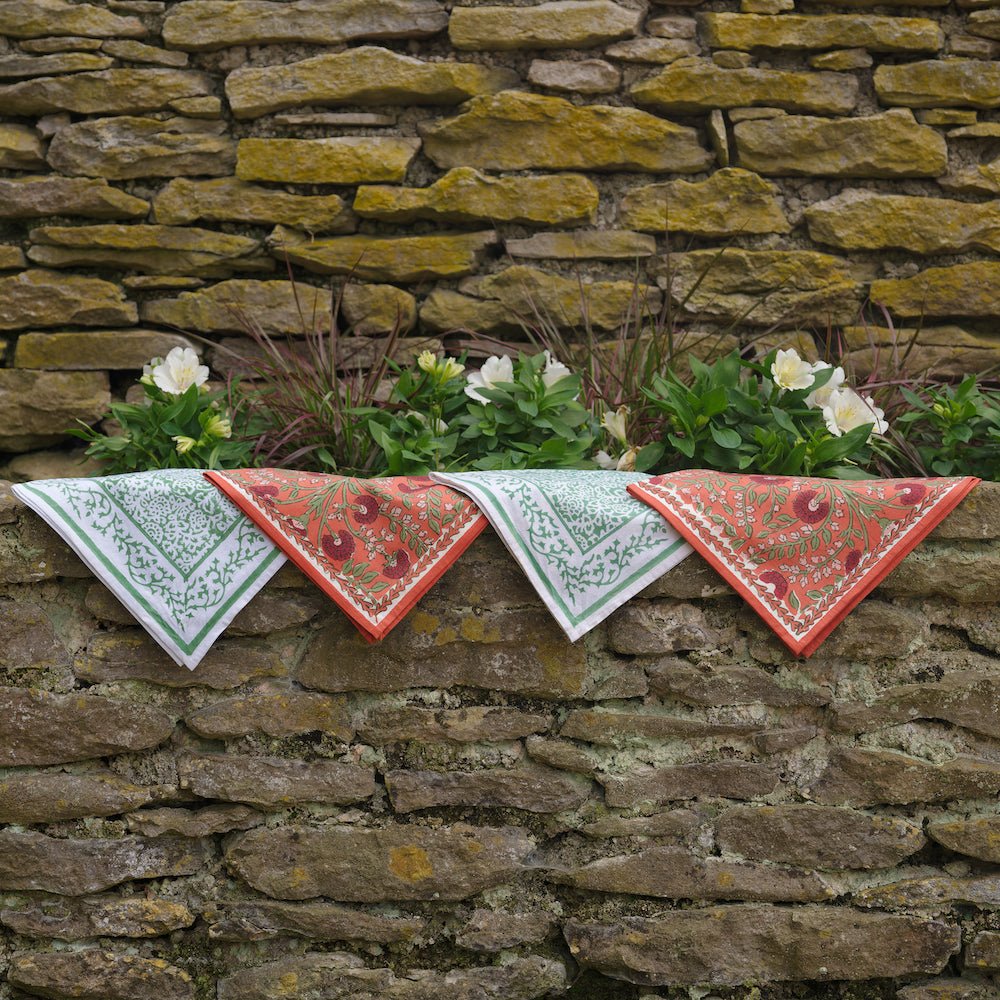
(789, 371)
(184, 443)
(627, 462)
(847, 410)
(218, 427)
(615, 424)
(450, 368)
(495, 369)
(554, 371)
(605, 461)
(179, 371)
(819, 398)
(426, 361)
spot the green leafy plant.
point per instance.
(511, 414)
(783, 416)
(954, 429)
(415, 432)
(179, 424)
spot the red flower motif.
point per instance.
(338, 546)
(911, 493)
(776, 580)
(397, 565)
(810, 507)
(369, 509)
(264, 494)
(656, 480)
(852, 560)
(415, 484)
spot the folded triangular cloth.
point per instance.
(375, 546)
(803, 552)
(168, 545)
(582, 541)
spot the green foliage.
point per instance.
(954, 429)
(166, 431)
(415, 432)
(733, 417)
(438, 420)
(528, 423)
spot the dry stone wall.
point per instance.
(161, 163)
(671, 808)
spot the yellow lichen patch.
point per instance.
(424, 624)
(473, 629)
(410, 863)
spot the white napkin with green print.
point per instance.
(170, 546)
(584, 543)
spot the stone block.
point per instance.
(261, 919)
(731, 684)
(30, 197)
(743, 945)
(975, 837)
(193, 822)
(43, 298)
(94, 350)
(394, 863)
(691, 86)
(868, 220)
(402, 259)
(521, 131)
(341, 160)
(817, 836)
(864, 777)
(728, 779)
(287, 713)
(586, 76)
(153, 249)
(531, 787)
(57, 18)
(21, 148)
(105, 92)
(44, 728)
(971, 289)
(89, 973)
(69, 919)
(368, 75)
(464, 195)
(200, 25)
(946, 83)
(798, 32)
(277, 307)
(53, 796)
(227, 199)
(343, 975)
(675, 873)
(274, 782)
(557, 24)
(129, 654)
(890, 145)
(769, 288)
(33, 861)
(732, 202)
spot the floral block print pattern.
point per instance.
(171, 548)
(803, 552)
(375, 546)
(583, 542)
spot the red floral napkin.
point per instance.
(803, 552)
(375, 546)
